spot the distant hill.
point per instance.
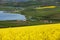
(4, 1)
(21, 0)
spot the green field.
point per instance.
(36, 16)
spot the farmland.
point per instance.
(38, 32)
(42, 21)
(37, 14)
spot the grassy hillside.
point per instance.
(39, 32)
(33, 15)
(41, 11)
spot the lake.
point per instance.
(11, 16)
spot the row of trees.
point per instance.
(33, 2)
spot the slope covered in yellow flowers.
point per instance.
(45, 7)
(39, 32)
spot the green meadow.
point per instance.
(33, 16)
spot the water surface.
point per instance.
(11, 16)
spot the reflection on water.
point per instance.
(10, 16)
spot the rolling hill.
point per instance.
(38, 32)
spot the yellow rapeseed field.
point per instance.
(39, 32)
(45, 7)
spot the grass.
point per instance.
(38, 32)
(40, 12)
(14, 23)
(29, 12)
(4, 24)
